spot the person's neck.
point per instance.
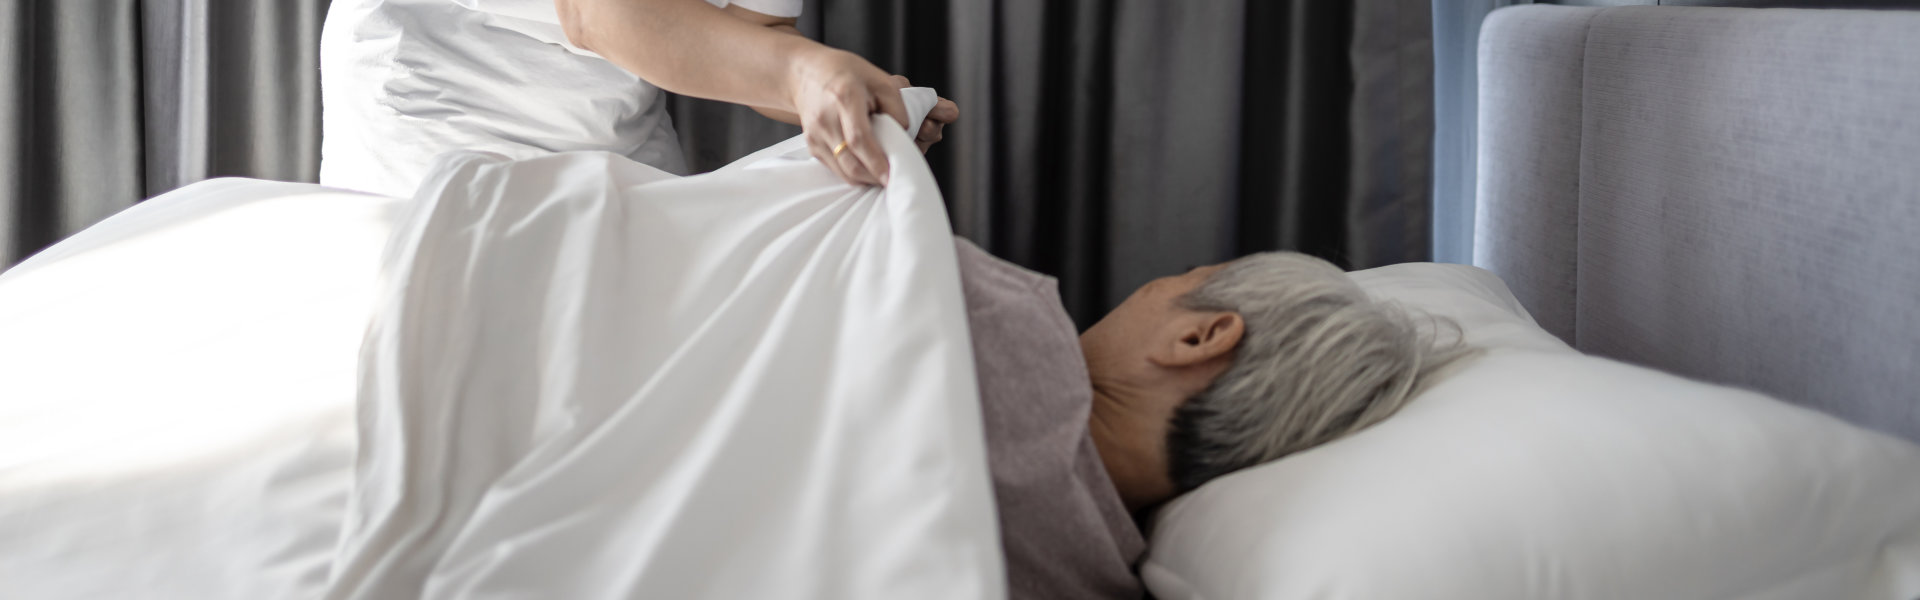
(1125, 424)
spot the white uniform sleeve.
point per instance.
(539, 11)
(777, 8)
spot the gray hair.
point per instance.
(1319, 360)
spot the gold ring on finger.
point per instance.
(838, 149)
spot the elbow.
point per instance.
(573, 21)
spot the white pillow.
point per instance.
(1537, 472)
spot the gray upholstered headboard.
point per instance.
(1728, 194)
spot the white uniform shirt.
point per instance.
(405, 80)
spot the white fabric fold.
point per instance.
(176, 395)
(588, 378)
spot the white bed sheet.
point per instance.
(177, 415)
(590, 379)
(176, 394)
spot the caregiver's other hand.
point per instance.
(834, 91)
(933, 128)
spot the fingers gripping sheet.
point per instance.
(590, 379)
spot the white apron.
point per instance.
(403, 81)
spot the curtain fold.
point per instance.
(232, 89)
(1108, 142)
(106, 102)
(70, 118)
(1390, 124)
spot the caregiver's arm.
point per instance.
(691, 47)
(786, 25)
(932, 128)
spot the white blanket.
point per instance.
(586, 379)
(591, 379)
(176, 394)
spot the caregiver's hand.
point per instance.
(934, 127)
(737, 55)
(834, 92)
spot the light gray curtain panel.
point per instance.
(106, 102)
(1107, 142)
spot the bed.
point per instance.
(570, 376)
(1647, 174)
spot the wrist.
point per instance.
(810, 63)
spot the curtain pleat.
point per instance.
(106, 102)
(232, 89)
(1176, 130)
(70, 118)
(1108, 142)
(1389, 125)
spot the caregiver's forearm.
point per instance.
(777, 114)
(782, 116)
(692, 48)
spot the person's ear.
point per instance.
(1199, 338)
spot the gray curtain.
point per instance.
(1107, 142)
(106, 102)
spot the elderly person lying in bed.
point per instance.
(1192, 377)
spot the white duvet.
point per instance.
(585, 378)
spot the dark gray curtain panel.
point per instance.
(106, 102)
(1108, 142)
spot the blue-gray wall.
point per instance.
(1456, 38)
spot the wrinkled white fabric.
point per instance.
(402, 81)
(176, 395)
(590, 379)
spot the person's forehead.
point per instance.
(1209, 270)
(1205, 268)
